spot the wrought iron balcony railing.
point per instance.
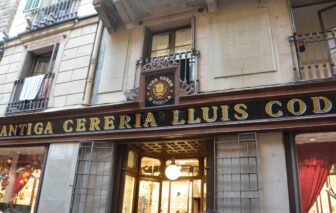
(2, 49)
(63, 10)
(188, 61)
(314, 55)
(40, 101)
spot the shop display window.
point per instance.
(317, 172)
(20, 173)
(128, 192)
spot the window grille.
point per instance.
(236, 174)
(32, 4)
(91, 190)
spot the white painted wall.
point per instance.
(70, 80)
(273, 173)
(56, 190)
(243, 44)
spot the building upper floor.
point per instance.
(80, 53)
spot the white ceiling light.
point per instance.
(173, 171)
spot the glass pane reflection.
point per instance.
(150, 166)
(149, 193)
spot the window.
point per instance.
(131, 161)
(32, 4)
(93, 178)
(176, 45)
(150, 166)
(20, 173)
(41, 64)
(31, 91)
(172, 42)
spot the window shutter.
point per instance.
(53, 58)
(193, 29)
(146, 46)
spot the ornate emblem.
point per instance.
(160, 90)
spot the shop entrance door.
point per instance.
(183, 196)
(164, 177)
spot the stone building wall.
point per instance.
(7, 12)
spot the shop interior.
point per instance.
(167, 177)
(20, 172)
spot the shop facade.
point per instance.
(232, 150)
(178, 108)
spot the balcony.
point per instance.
(20, 102)
(130, 12)
(314, 55)
(313, 44)
(53, 14)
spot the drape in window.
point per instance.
(28, 164)
(315, 161)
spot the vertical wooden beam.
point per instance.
(292, 173)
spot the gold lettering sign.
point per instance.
(270, 111)
(221, 113)
(291, 105)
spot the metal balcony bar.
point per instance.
(40, 102)
(187, 61)
(314, 55)
(55, 13)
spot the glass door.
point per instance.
(182, 196)
(149, 194)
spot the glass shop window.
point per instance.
(128, 194)
(189, 167)
(317, 171)
(20, 173)
(150, 166)
(131, 160)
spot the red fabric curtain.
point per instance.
(315, 161)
